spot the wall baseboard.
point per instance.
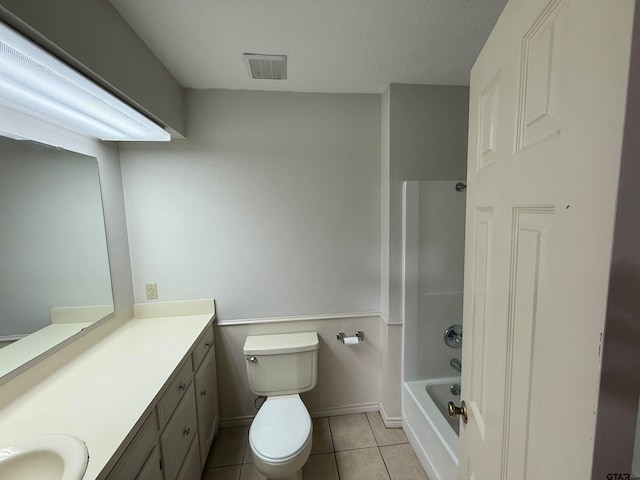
(322, 412)
(236, 421)
(345, 410)
(389, 422)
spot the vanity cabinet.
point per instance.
(174, 440)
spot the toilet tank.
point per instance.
(282, 364)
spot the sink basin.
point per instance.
(45, 457)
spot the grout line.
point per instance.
(372, 431)
(333, 446)
(384, 463)
(357, 448)
(378, 445)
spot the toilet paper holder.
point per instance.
(359, 336)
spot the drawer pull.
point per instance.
(182, 387)
(203, 393)
(187, 430)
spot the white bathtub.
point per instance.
(425, 421)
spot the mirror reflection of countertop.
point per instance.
(100, 387)
(31, 346)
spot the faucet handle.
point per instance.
(453, 336)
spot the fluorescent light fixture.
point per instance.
(32, 79)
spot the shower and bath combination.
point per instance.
(433, 261)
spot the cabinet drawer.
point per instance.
(134, 457)
(174, 393)
(176, 438)
(202, 348)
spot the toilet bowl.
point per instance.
(280, 367)
(280, 437)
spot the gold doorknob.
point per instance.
(461, 410)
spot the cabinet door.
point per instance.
(134, 457)
(191, 469)
(207, 401)
(151, 469)
(178, 436)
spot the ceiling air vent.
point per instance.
(266, 67)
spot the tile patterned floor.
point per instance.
(347, 447)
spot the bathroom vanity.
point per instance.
(140, 391)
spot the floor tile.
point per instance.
(321, 442)
(228, 447)
(249, 472)
(402, 463)
(221, 473)
(361, 464)
(320, 467)
(351, 431)
(384, 435)
(247, 453)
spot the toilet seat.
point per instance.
(281, 430)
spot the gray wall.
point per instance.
(94, 34)
(271, 205)
(427, 141)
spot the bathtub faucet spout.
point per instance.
(456, 364)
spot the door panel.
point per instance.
(478, 338)
(547, 103)
(531, 238)
(539, 107)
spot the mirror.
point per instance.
(54, 276)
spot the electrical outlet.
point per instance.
(152, 291)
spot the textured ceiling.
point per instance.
(343, 46)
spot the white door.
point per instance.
(547, 100)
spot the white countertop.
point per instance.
(100, 394)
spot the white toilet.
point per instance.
(280, 367)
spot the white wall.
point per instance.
(271, 205)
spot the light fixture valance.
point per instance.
(34, 80)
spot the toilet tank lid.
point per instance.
(281, 343)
